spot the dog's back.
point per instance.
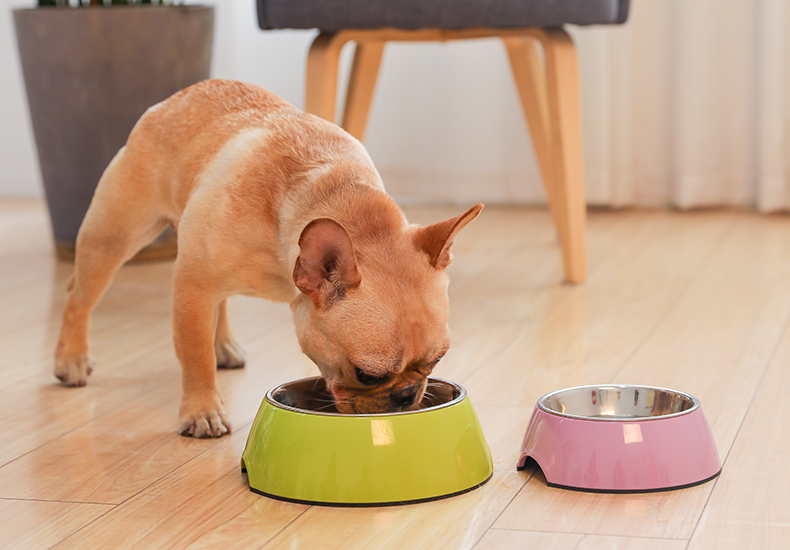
(200, 134)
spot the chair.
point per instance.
(548, 84)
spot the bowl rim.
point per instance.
(269, 398)
(541, 403)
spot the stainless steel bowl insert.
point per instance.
(618, 403)
(310, 395)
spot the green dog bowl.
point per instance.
(301, 449)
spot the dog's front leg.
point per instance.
(194, 323)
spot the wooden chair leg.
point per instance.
(321, 82)
(529, 74)
(361, 85)
(562, 158)
(565, 120)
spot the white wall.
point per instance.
(445, 125)
(19, 174)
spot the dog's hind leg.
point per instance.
(230, 354)
(120, 221)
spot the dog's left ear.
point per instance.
(436, 239)
(326, 267)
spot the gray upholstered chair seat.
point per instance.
(335, 15)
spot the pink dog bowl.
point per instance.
(619, 439)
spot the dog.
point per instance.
(272, 202)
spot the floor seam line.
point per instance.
(692, 279)
(743, 421)
(502, 511)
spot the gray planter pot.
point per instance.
(90, 73)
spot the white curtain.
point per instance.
(687, 105)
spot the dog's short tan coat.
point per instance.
(268, 201)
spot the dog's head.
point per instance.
(374, 317)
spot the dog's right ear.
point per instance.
(326, 267)
(436, 239)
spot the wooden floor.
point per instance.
(694, 301)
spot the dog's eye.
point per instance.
(369, 379)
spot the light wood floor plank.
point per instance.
(750, 505)
(146, 424)
(698, 301)
(126, 370)
(31, 524)
(584, 334)
(141, 293)
(511, 318)
(497, 539)
(715, 343)
(203, 504)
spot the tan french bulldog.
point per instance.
(268, 201)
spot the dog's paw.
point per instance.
(73, 371)
(203, 416)
(230, 354)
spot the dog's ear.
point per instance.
(326, 267)
(436, 239)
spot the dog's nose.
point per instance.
(405, 397)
